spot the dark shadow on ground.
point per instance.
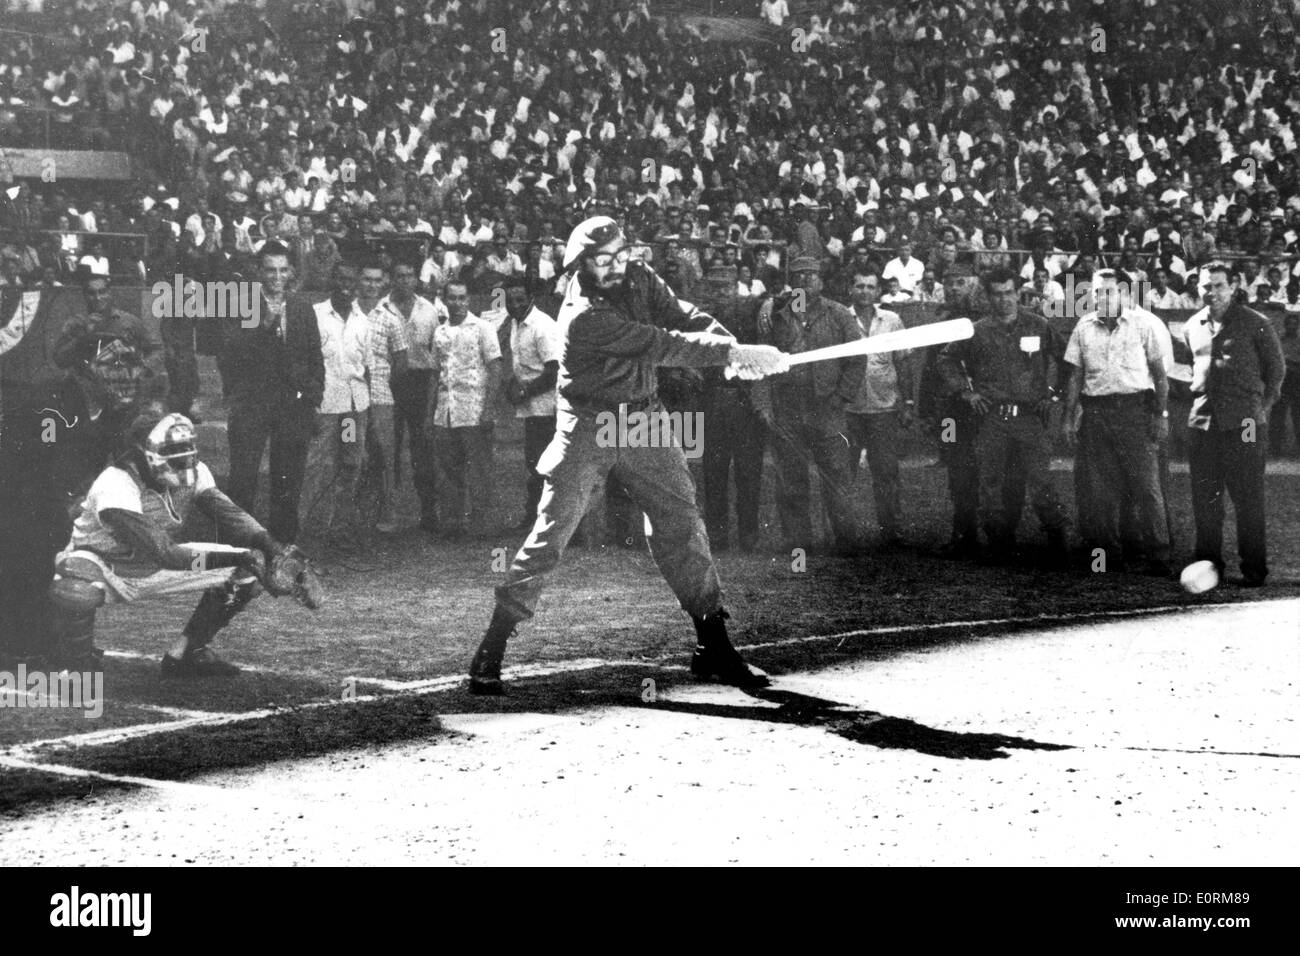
(620, 687)
(866, 726)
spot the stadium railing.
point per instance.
(124, 250)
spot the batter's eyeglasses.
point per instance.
(603, 259)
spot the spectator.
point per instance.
(411, 390)
(903, 268)
(78, 342)
(929, 291)
(747, 285)
(1006, 373)
(385, 360)
(885, 405)
(1118, 382)
(274, 377)
(1158, 295)
(805, 410)
(467, 362)
(1238, 367)
(1290, 402)
(535, 359)
(893, 294)
(338, 451)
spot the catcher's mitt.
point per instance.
(291, 573)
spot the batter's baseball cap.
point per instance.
(805, 264)
(590, 234)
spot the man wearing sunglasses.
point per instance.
(618, 323)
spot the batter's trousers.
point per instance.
(575, 464)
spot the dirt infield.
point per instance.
(404, 614)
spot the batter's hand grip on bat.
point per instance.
(756, 361)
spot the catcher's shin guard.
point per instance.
(485, 669)
(73, 603)
(715, 659)
(216, 608)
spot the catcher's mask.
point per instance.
(171, 452)
(115, 373)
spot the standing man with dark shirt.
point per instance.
(805, 410)
(1290, 387)
(1006, 373)
(1237, 372)
(275, 379)
(619, 322)
(733, 450)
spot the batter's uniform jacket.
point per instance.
(611, 346)
(1015, 368)
(807, 407)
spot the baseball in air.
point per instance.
(1199, 577)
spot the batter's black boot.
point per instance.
(485, 669)
(715, 659)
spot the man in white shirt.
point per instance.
(504, 260)
(907, 270)
(385, 359)
(1159, 295)
(884, 406)
(774, 11)
(893, 295)
(336, 455)
(467, 370)
(1120, 382)
(535, 358)
(420, 319)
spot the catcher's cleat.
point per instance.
(201, 662)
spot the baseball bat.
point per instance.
(935, 333)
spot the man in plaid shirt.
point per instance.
(385, 355)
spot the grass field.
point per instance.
(405, 613)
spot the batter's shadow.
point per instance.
(863, 726)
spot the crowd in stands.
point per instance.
(1057, 136)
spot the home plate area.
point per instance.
(1132, 736)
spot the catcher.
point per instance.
(154, 524)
